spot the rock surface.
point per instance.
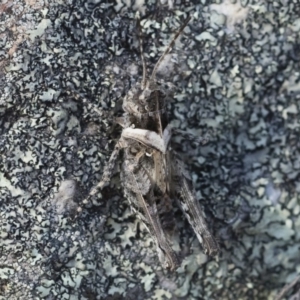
(66, 65)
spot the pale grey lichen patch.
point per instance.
(234, 12)
(206, 36)
(64, 198)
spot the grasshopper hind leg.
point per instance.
(185, 196)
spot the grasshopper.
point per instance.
(152, 175)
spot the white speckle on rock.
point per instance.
(64, 197)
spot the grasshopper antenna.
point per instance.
(169, 48)
(143, 84)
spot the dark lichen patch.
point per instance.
(237, 77)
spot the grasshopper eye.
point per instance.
(134, 150)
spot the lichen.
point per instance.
(236, 79)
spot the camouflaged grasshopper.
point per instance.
(152, 176)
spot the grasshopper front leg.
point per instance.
(108, 169)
